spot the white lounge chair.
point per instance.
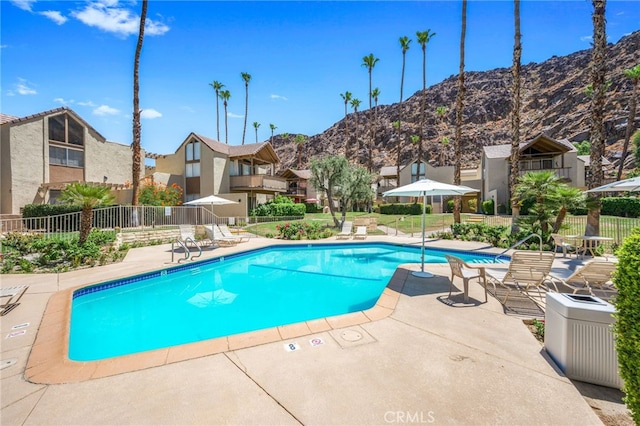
(216, 237)
(527, 270)
(345, 233)
(361, 233)
(224, 230)
(559, 242)
(593, 275)
(13, 296)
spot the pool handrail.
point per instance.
(187, 253)
(518, 243)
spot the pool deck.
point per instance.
(426, 361)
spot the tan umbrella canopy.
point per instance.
(426, 188)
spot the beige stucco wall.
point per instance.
(27, 157)
(5, 171)
(113, 160)
(496, 177)
(173, 165)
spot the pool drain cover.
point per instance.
(351, 335)
(7, 363)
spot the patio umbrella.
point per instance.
(424, 188)
(631, 185)
(210, 200)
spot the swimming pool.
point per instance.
(233, 294)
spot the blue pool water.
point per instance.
(234, 294)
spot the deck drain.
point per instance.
(351, 335)
(7, 363)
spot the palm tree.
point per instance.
(597, 132)
(444, 142)
(634, 75)
(423, 38)
(375, 93)
(515, 119)
(355, 103)
(87, 196)
(135, 144)
(225, 95)
(272, 127)
(567, 196)
(217, 86)
(346, 97)
(300, 140)
(441, 112)
(404, 44)
(255, 126)
(246, 77)
(459, 109)
(541, 187)
(370, 61)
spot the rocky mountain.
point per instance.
(553, 101)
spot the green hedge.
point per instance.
(487, 207)
(44, 210)
(279, 209)
(621, 206)
(627, 325)
(404, 208)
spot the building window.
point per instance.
(64, 129)
(66, 156)
(414, 171)
(191, 197)
(192, 159)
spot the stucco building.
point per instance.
(40, 153)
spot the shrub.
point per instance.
(159, 194)
(487, 207)
(627, 325)
(404, 208)
(300, 231)
(621, 206)
(280, 206)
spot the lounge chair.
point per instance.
(345, 233)
(560, 243)
(216, 237)
(187, 236)
(593, 275)
(224, 230)
(361, 233)
(460, 269)
(13, 296)
(527, 270)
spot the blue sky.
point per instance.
(301, 56)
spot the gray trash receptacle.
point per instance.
(579, 339)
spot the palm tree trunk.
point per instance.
(135, 145)
(217, 116)
(346, 129)
(86, 218)
(630, 126)
(400, 120)
(246, 110)
(598, 79)
(226, 126)
(423, 107)
(459, 109)
(515, 120)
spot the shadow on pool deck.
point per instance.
(427, 360)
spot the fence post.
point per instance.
(618, 231)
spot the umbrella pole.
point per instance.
(422, 273)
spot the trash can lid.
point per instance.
(581, 307)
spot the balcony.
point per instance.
(562, 172)
(258, 182)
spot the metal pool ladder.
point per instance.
(518, 243)
(187, 253)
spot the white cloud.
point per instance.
(105, 110)
(63, 101)
(279, 97)
(187, 108)
(55, 16)
(23, 4)
(232, 115)
(150, 113)
(107, 15)
(87, 104)
(586, 38)
(22, 87)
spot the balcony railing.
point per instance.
(252, 182)
(563, 172)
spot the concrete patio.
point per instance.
(429, 361)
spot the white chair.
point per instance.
(559, 242)
(224, 230)
(460, 269)
(216, 237)
(345, 233)
(593, 275)
(361, 233)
